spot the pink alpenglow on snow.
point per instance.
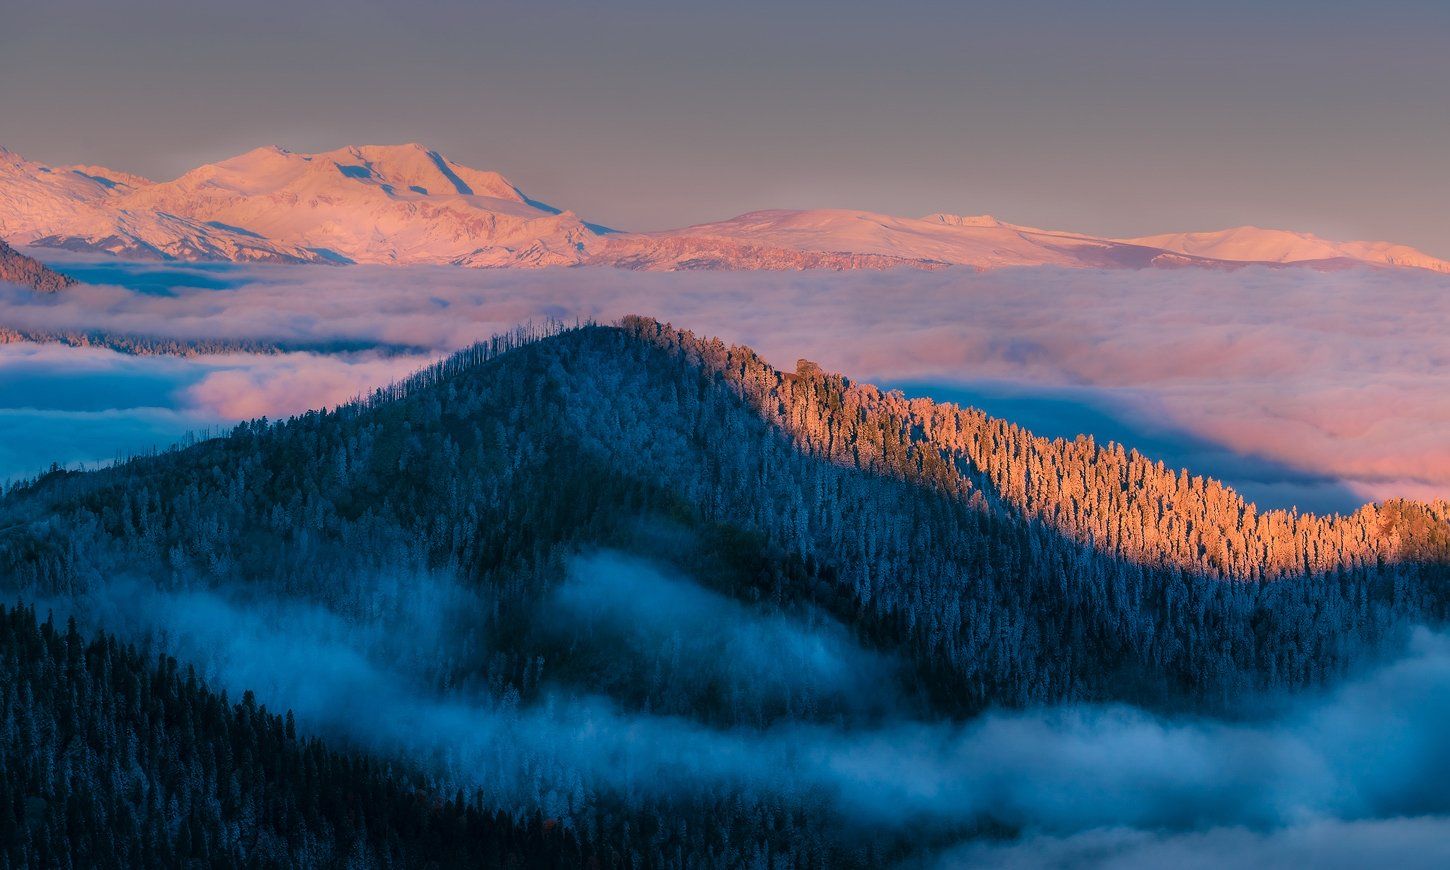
(1283, 246)
(410, 205)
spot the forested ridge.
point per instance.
(1114, 499)
(16, 268)
(956, 530)
(1001, 569)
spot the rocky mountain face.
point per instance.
(408, 204)
(16, 268)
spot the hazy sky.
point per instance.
(1118, 117)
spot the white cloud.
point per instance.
(1341, 375)
(1419, 843)
(239, 387)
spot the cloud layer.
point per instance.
(83, 406)
(1307, 383)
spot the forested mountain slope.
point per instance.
(113, 760)
(824, 554)
(1014, 568)
(1115, 500)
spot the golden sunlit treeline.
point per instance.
(1106, 497)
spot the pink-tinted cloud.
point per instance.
(269, 386)
(1343, 374)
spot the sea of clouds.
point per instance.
(1321, 389)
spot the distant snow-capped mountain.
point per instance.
(375, 204)
(37, 200)
(407, 204)
(372, 204)
(934, 241)
(1284, 246)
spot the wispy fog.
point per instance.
(1316, 388)
(711, 649)
(1337, 774)
(1418, 843)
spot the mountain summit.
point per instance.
(1284, 246)
(936, 241)
(401, 204)
(408, 205)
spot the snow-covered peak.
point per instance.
(14, 169)
(13, 165)
(927, 241)
(111, 178)
(360, 203)
(404, 204)
(417, 169)
(355, 171)
(1257, 244)
(37, 199)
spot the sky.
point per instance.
(1119, 117)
